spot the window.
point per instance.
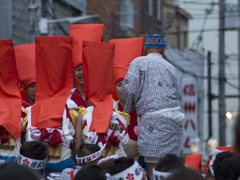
(126, 14)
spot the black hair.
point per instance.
(226, 166)
(13, 171)
(106, 165)
(87, 149)
(34, 150)
(237, 134)
(120, 164)
(186, 174)
(169, 163)
(91, 172)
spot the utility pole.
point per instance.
(209, 96)
(222, 124)
(239, 61)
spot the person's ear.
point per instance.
(145, 50)
(163, 51)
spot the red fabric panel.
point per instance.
(80, 33)
(125, 51)
(53, 80)
(26, 63)
(133, 123)
(77, 98)
(97, 75)
(194, 161)
(10, 98)
(225, 148)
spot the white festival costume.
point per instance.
(92, 138)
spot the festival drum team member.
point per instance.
(10, 103)
(80, 33)
(101, 124)
(151, 87)
(54, 119)
(125, 51)
(26, 67)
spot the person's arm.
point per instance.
(77, 135)
(130, 86)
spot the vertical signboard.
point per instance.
(189, 102)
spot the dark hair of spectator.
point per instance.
(91, 172)
(169, 163)
(226, 166)
(186, 174)
(87, 149)
(120, 165)
(13, 171)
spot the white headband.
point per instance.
(211, 164)
(133, 172)
(107, 158)
(159, 175)
(91, 157)
(31, 163)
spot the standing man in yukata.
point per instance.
(151, 87)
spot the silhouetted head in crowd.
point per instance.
(185, 174)
(106, 165)
(34, 150)
(226, 166)
(169, 163)
(86, 150)
(166, 165)
(126, 168)
(13, 171)
(91, 172)
(236, 143)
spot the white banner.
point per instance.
(189, 101)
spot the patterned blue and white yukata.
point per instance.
(151, 87)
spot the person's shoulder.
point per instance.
(139, 61)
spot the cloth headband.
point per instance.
(133, 172)
(31, 163)
(159, 175)
(156, 41)
(107, 158)
(91, 157)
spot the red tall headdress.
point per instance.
(194, 161)
(80, 33)
(26, 65)
(53, 80)
(10, 98)
(125, 51)
(97, 75)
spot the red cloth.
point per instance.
(125, 51)
(77, 98)
(53, 80)
(97, 75)
(80, 33)
(133, 123)
(10, 98)
(194, 161)
(26, 63)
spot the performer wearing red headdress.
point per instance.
(101, 124)
(125, 51)
(26, 67)
(10, 103)
(80, 33)
(54, 118)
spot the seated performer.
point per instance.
(33, 155)
(126, 168)
(10, 103)
(80, 32)
(55, 119)
(88, 154)
(166, 166)
(101, 125)
(151, 88)
(26, 67)
(125, 51)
